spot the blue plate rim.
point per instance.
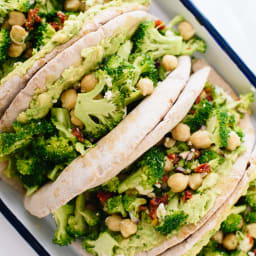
(15, 222)
(22, 230)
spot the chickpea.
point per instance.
(178, 182)
(88, 83)
(127, 228)
(16, 18)
(230, 242)
(218, 237)
(18, 34)
(181, 132)
(186, 30)
(201, 139)
(168, 164)
(72, 5)
(169, 142)
(251, 228)
(15, 50)
(195, 181)
(146, 86)
(74, 120)
(68, 99)
(169, 62)
(233, 141)
(113, 222)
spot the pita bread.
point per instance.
(104, 161)
(13, 83)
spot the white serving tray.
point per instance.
(39, 233)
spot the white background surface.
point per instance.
(236, 20)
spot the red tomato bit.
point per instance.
(159, 24)
(61, 16)
(104, 196)
(33, 18)
(78, 134)
(153, 205)
(56, 25)
(165, 179)
(187, 195)
(202, 168)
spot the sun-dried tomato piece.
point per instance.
(187, 195)
(174, 157)
(32, 18)
(154, 203)
(142, 208)
(78, 134)
(56, 25)
(202, 168)
(196, 154)
(61, 16)
(159, 24)
(104, 196)
(165, 179)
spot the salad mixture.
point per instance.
(173, 184)
(26, 26)
(84, 105)
(237, 234)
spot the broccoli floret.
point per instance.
(77, 226)
(218, 125)
(172, 222)
(193, 45)
(175, 21)
(43, 34)
(238, 253)
(207, 155)
(232, 223)
(243, 104)
(148, 40)
(48, 8)
(150, 171)
(34, 127)
(112, 185)
(5, 42)
(55, 149)
(250, 199)
(145, 67)
(212, 249)
(132, 204)
(31, 169)
(61, 217)
(23, 135)
(99, 116)
(103, 246)
(250, 217)
(54, 173)
(202, 112)
(61, 119)
(115, 205)
(126, 74)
